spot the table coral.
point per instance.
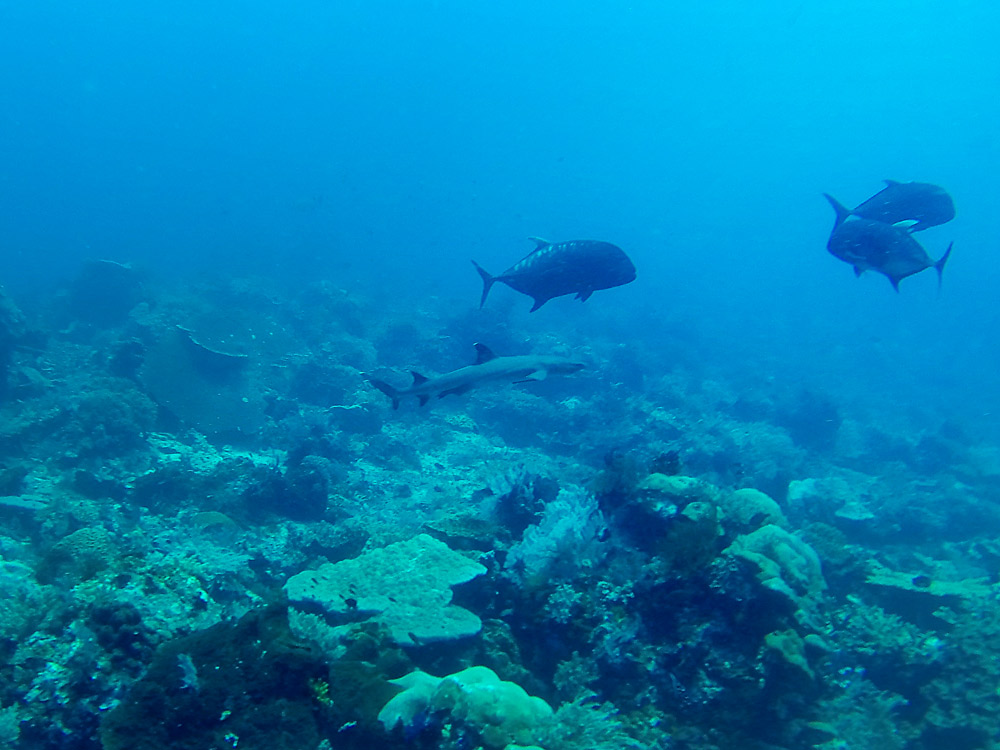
(406, 587)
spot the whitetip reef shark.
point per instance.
(488, 368)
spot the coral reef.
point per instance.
(214, 533)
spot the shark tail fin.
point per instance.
(488, 281)
(387, 389)
(842, 211)
(939, 266)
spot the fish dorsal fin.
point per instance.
(842, 213)
(892, 183)
(483, 354)
(539, 242)
(418, 379)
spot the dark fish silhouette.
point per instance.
(578, 267)
(928, 205)
(489, 368)
(878, 246)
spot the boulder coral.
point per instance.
(785, 564)
(501, 712)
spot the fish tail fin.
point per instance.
(939, 266)
(488, 281)
(387, 389)
(842, 211)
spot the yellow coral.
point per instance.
(320, 690)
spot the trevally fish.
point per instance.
(488, 368)
(885, 248)
(926, 204)
(578, 267)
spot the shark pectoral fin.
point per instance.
(423, 400)
(458, 391)
(538, 303)
(534, 377)
(539, 242)
(858, 270)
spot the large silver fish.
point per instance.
(921, 202)
(881, 247)
(578, 267)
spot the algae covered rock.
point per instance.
(104, 292)
(250, 680)
(678, 489)
(790, 648)
(502, 713)
(406, 587)
(692, 542)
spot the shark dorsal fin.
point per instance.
(418, 378)
(483, 354)
(539, 242)
(891, 183)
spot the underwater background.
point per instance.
(766, 514)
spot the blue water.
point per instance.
(385, 144)
(381, 146)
